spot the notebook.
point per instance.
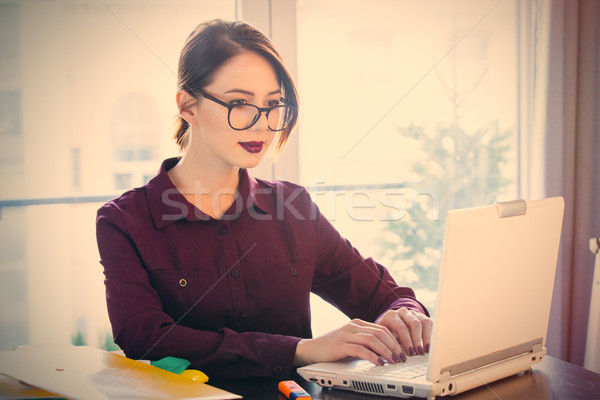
(493, 306)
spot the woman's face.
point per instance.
(247, 78)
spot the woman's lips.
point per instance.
(252, 147)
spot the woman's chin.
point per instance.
(249, 164)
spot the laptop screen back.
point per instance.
(496, 282)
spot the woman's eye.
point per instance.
(237, 102)
(274, 103)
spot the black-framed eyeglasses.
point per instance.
(242, 116)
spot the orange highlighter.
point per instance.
(293, 391)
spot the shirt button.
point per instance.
(222, 231)
(182, 282)
(277, 369)
(243, 317)
(235, 273)
(294, 272)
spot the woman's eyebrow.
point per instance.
(249, 93)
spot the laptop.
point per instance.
(493, 306)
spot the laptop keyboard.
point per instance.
(414, 367)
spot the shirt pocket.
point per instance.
(281, 287)
(190, 297)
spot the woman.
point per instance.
(209, 264)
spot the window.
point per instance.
(408, 109)
(135, 139)
(11, 131)
(86, 108)
(135, 128)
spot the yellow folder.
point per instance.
(88, 373)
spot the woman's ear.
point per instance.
(185, 104)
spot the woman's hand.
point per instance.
(372, 342)
(411, 329)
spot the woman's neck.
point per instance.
(209, 186)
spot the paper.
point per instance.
(12, 389)
(89, 373)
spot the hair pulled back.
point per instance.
(209, 46)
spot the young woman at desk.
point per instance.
(208, 264)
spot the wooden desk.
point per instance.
(550, 379)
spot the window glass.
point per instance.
(87, 107)
(408, 109)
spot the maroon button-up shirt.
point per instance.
(230, 295)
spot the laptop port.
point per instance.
(314, 380)
(406, 389)
(391, 387)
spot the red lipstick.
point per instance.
(252, 147)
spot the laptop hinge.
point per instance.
(445, 377)
(532, 346)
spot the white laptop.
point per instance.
(493, 306)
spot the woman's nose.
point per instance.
(262, 123)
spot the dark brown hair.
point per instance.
(213, 43)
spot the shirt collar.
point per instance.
(167, 204)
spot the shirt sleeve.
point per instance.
(144, 331)
(359, 287)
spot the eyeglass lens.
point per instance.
(246, 115)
